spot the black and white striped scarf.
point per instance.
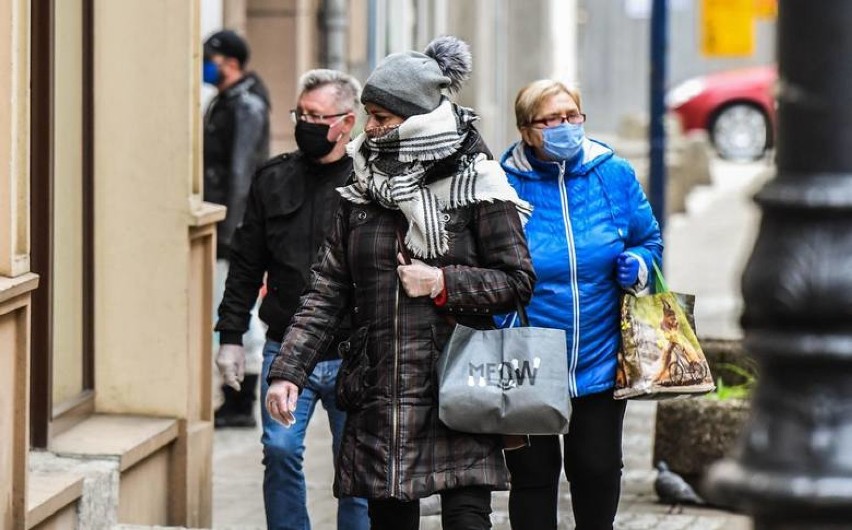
(390, 171)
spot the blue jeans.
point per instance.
(284, 492)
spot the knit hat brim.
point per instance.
(390, 102)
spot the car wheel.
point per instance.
(740, 132)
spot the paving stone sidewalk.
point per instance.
(238, 498)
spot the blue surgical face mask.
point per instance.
(210, 73)
(563, 142)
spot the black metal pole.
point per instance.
(793, 470)
(656, 130)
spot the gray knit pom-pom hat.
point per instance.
(411, 83)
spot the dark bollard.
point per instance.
(793, 469)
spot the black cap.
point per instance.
(229, 44)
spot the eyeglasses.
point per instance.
(297, 115)
(552, 121)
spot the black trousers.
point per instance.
(461, 509)
(593, 462)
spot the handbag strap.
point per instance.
(406, 257)
(522, 313)
(660, 284)
(400, 241)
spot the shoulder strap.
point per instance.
(400, 240)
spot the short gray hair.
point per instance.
(347, 88)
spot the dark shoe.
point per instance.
(224, 420)
(238, 408)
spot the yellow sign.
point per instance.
(727, 27)
(766, 8)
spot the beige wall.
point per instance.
(154, 246)
(199, 282)
(8, 343)
(145, 129)
(271, 33)
(192, 460)
(234, 15)
(357, 38)
(15, 283)
(144, 492)
(65, 519)
(14, 137)
(148, 210)
(66, 269)
(14, 417)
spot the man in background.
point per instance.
(290, 208)
(236, 143)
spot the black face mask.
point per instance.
(312, 139)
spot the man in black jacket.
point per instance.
(236, 130)
(236, 143)
(290, 206)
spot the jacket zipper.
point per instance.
(311, 227)
(575, 290)
(395, 399)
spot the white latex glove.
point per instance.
(231, 361)
(281, 401)
(419, 279)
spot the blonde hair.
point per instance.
(531, 98)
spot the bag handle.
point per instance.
(660, 284)
(400, 241)
(522, 314)
(406, 257)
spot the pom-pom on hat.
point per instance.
(411, 83)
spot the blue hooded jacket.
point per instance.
(586, 213)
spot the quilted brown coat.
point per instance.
(395, 446)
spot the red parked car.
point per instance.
(736, 108)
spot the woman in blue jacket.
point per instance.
(592, 237)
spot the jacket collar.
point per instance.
(342, 164)
(520, 160)
(241, 86)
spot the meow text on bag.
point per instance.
(507, 374)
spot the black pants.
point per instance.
(461, 509)
(593, 463)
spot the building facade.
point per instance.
(106, 263)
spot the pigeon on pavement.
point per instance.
(672, 489)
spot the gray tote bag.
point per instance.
(505, 381)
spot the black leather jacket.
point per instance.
(236, 143)
(288, 214)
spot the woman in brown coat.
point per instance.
(422, 176)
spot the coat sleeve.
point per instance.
(505, 272)
(248, 129)
(249, 259)
(643, 232)
(321, 309)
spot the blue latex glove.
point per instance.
(626, 270)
